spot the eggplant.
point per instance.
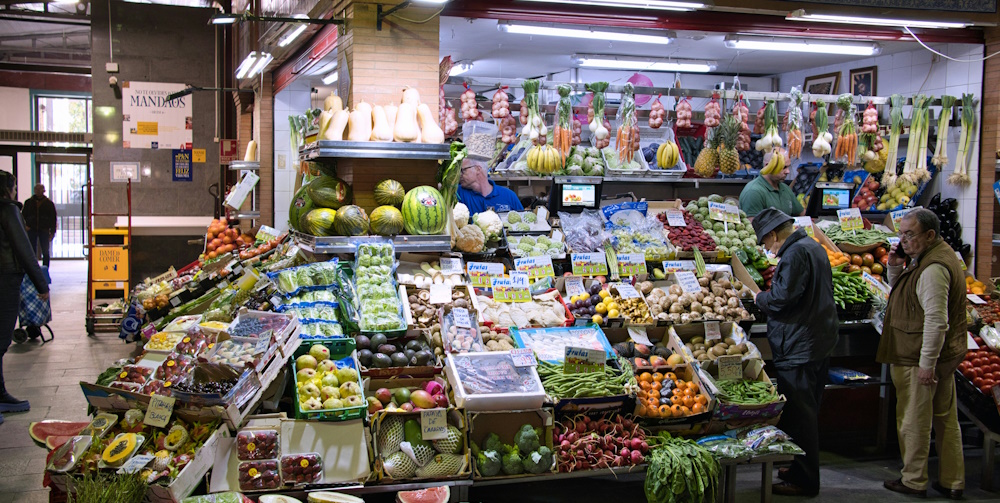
(936, 200)
(950, 203)
(966, 249)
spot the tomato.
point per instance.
(978, 362)
(978, 371)
(971, 355)
(867, 259)
(977, 381)
(979, 340)
(969, 374)
(987, 390)
(881, 252)
(964, 365)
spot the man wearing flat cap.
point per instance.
(802, 332)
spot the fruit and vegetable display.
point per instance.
(645, 239)
(690, 236)
(377, 296)
(680, 470)
(583, 443)
(745, 392)
(849, 289)
(404, 454)
(618, 301)
(524, 221)
(424, 313)
(642, 356)
(544, 310)
(717, 300)
(705, 351)
(758, 267)
(324, 383)
(951, 230)
(426, 395)
(989, 312)
(860, 238)
(537, 246)
(981, 367)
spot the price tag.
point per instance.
(724, 212)
(678, 265)
(574, 286)
(589, 264)
(275, 301)
(675, 218)
(523, 357)
(505, 291)
(730, 367)
(434, 423)
(803, 223)
(149, 330)
(638, 335)
(480, 273)
(440, 293)
(451, 265)
(631, 264)
(535, 267)
(877, 287)
(238, 269)
(688, 281)
(626, 291)
(712, 331)
(159, 410)
(519, 279)
(975, 298)
(898, 215)
(135, 463)
(175, 300)
(461, 317)
(850, 219)
(583, 360)
(971, 342)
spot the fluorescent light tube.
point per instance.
(246, 65)
(801, 15)
(432, 1)
(592, 33)
(224, 18)
(262, 62)
(751, 43)
(331, 78)
(459, 69)
(296, 31)
(633, 4)
(610, 62)
(323, 70)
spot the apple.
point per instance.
(327, 366)
(306, 362)
(330, 380)
(383, 395)
(305, 374)
(441, 400)
(319, 352)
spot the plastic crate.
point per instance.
(978, 404)
(856, 311)
(339, 349)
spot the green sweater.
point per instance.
(759, 195)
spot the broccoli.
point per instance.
(489, 463)
(526, 439)
(512, 464)
(539, 461)
(493, 443)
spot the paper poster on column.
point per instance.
(150, 121)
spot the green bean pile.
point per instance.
(611, 382)
(744, 392)
(864, 237)
(849, 288)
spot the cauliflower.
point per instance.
(526, 439)
(461, 215)
(489, 222)
(512, 464)
(470, 239)
(489, 463)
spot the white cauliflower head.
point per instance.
(460, 214)
(470, 239)
(489, 222)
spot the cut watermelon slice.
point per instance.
(439, 494)
(52, 442)
(42, 430)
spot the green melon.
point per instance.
(424, 211)
(329, 192)
(301, 206)
(319, 222)
(386, 221)
(389, 193)
(351, 220)
(324, 168)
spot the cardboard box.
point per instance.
(505, 424)
(456, 418)
(728, 416)
(192, 474)
(372, 384)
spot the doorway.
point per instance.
(64, 183)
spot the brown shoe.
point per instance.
(897, 486)
(953, 494)
(783, 473)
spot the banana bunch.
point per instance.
(544, 159)
(667, 155)
(776, 163)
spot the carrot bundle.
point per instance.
(626, 114)
(563, 140)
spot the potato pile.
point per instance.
(495, 340)
(718, 300)
(709, 351)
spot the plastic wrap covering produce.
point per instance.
(493, 373)
(549, 344)
(461, 334)
(545, 310)
(378, 297)
(319, 329)
(765, 439)
(585, 161)
(312, 310)
(536, 246)
(644, 237)
(306, 278)
(209, 378)
(585, 231)
(723, 447)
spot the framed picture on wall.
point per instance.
(864, 81)
(828, 83)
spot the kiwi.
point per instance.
(696, 340)
(729, 340)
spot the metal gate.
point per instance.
(64, 182)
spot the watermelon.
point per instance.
(439, 494)
(42, 430)
(319, 222)
(424, 211)
(322, 168)
(329, 192)
(386, 221)
(301, 205)
(351, 221)
(389, 193)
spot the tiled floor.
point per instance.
(48, 375)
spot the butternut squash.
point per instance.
(406, 129)
(390, 114)
(411, 96)
(333, 103)
(360, 124)
(251, 153)
(380, 130)
(337, 126)
(364, 106)
(429, 129)
(325, 117)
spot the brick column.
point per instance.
(986, 255)
(264, 119)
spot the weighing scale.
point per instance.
(828, 197)
(573, 194)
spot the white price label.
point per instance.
(638, 335)
(159, 410)
(975, 298)
(461, 316)
(523, 357)
(730, 367)
(626, 291)
(135, 463)
(440, 293)
(675, 218)
(688, 281)
(451, 265)
(434, 424)
(972, 342)
(574, 286)
(519, 279)
(712, 331)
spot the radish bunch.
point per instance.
(683, 110)
(713, 113)
(501, 107)
(470, 112)
(582, 443)
(657, 114)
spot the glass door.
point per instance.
(64, 184)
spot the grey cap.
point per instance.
(768, 220)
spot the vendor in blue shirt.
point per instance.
(479, 193)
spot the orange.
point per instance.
(653, 393)
(698, 408)
(645, 377)
(658, 377)
(676, 410)
(640, 409)
(642, 394)
(688, 393)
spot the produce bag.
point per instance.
(584, 231)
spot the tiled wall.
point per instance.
(922, 72)
(293, 100)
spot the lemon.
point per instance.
(605, 294)
(613, 306)
(613, 313)
(601, 308)
(584, 296)
(574, 298)
(597, 319)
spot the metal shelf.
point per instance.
(244, 165)
(635, 179)
(322, 149)
(439, 243)
(250, 214)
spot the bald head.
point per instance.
(39, 189)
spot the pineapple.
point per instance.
(708, 158)
(729, 158)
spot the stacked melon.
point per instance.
(314, 207)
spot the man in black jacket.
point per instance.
(40, 221)
(802, 331)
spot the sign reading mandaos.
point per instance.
(149, 120)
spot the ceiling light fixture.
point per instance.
(325, 69)
(802, 15)
(331, 78)
(651, 65)
(246, 65)
(225, 18)
(263, 60)
(229, 18)
(634, 4)
(296, 30)
(752, 43)
(588, 32)
(460, 69)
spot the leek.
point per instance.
(896, 129)
(961, 176)
(940, 158)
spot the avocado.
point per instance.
(365, 356)
(362, 342)
(387, 349)
(399, 359)
(423, 357)
(381, 361)
(414, 345)
(378, 340)
(409, 353)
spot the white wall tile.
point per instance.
(922, 56)
(901, 60)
